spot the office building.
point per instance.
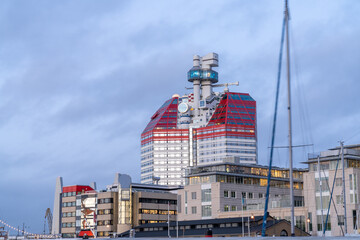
(234, 189)
(330, 161)
(116, 209)
(199, 128)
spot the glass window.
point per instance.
(226, 208)
(193, 210)
(206, 211)
(226, 193)
(193, 195)
(233, 194)
(206, 195)
(341, 220)
(233, 208)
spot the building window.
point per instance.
(206, 211)
(105, 200)
(233, 208)
(193, 210)
(325, 202)
(319, 223)
(261, 195)
(233, 194)
(243, 194)
(300, 222)
(193, 195)
(250, 195)
(226, 208)
(341, 220)
(354, 219)
(339, 199)
(186, 196)
(69, 204)
(206, 195)
(105, 211)
(338, 182)
(185, 210)
(226, 193)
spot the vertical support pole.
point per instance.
(177, 220)
(289, 121)
(242, 216)
(169, 219)
(249, 226)
(321, 203)
(343, 184)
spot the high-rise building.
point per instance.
(198, 128)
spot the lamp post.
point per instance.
(308, 222)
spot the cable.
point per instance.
(273, 129)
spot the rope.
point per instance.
(332, 190)
(273, 129)
(27, 233)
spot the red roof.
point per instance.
(235, 109)
(165, 117)
(77, 188)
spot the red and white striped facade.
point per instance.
(199, 128)
(167, 148)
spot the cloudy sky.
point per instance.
(79, 81)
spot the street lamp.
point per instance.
(308, 222)
(252, 218)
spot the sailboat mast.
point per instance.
(289, 119)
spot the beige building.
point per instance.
(328, 163)
(234, 190)
(119, 208)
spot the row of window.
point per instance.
(68, 204)
(147, 163)
(227, 151)
(157, 212)
(227, 208)
(198, 226)
(68, 214)
(147, 170)
(171, 141)
(68, 225)
(157, 201)
(171, 155)
(241, 180)
(226, 137)
(104, 222)
(219, 144)
(105, 211)
(105, 200)
(171, 134)
(70, 194)
(171, 148)
(147, 156)
(163, 161)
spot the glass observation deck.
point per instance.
(199, 74)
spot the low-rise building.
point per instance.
(331, 175)
(231, 189)
(122, 206)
